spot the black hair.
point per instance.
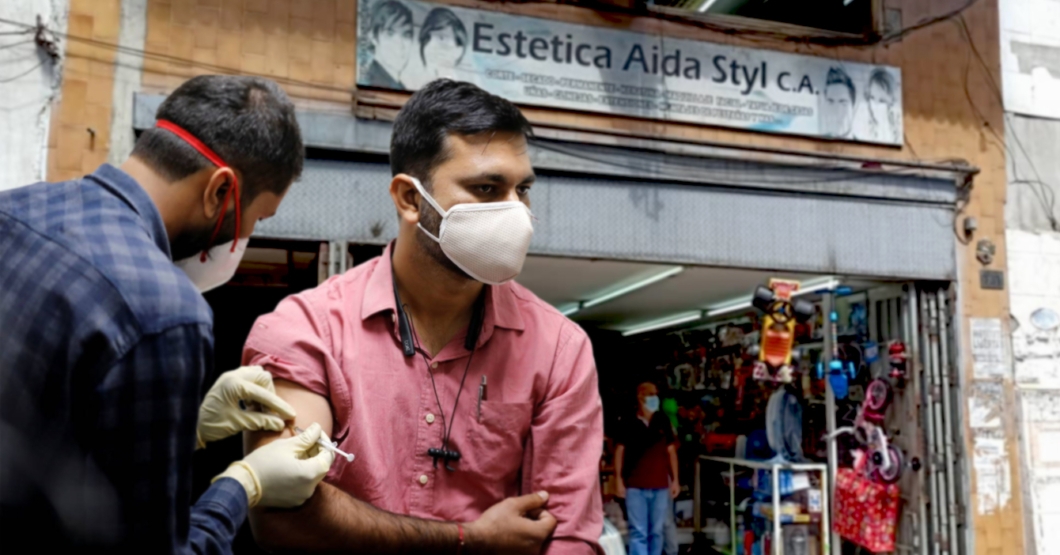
(388, 14)
(836, 76)
(883, 79)
(438, 19)
(248, 121)
(442, 108)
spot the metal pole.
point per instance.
(924, 376)
(909, 329)
(777, 547)
(938, 496)
(944, 496)
(947, 429)
(696, 500)
(826, 506)
(827, 305)
(732, 507)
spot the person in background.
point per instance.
(107, 343)
(390, 38)
(456, 387)
(646, 466)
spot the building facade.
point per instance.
(1030, 62)
(121, 56)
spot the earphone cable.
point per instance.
(447, 429)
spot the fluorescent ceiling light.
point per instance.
(718, 310)
(669, 272)
(568, 308)
(817, 284)
(663, 323)
(706, 5)
(624, 290)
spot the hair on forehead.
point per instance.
(445, 108)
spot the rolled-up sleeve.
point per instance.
(566, 441)
(294, 343)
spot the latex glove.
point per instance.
(220, 415)
(284, 473)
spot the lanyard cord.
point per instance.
(446, 431)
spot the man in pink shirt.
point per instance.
(455, 388)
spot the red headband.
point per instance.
(215, 160)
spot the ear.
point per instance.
(217, 186)
(406, 198)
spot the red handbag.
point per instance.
(866, 512)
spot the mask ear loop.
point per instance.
(224, 209)
(217, 161)
(430, 200)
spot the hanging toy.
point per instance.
(897, 357)
(840, 372)
(872, 352)
(878, 397)
(780, 313)
(859, 320)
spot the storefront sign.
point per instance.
(405, 44)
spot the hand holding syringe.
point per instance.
(330, 446)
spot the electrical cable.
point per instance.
(23, 74)
(14, 44)
(674, 15)
(156, 56)
(691, 164)
(824, 40)
(1043, 192)
(447, 431)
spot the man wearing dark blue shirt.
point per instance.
(105, 341)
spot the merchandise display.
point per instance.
(748, 395)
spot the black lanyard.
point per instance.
(411, 343)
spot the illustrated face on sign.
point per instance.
(443, 39)
(880, 98)
(391, 36)
(837, 104)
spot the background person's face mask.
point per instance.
(487, 240)
(651, 404)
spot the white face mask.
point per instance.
(487, 240)
(219, 266)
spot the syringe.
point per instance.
(330, 446)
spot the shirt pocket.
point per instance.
(497, 439)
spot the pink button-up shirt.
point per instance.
(540, 427)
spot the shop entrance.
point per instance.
(692, 331)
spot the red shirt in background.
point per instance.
(646, 461)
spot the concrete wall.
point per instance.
(29, 84)
(1034, 264)
(1030, 59)
(1034, 172)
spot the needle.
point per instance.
(330, 446)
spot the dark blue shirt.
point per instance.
(104, 349)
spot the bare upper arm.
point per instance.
(308, 406)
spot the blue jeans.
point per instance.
(648, 510)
